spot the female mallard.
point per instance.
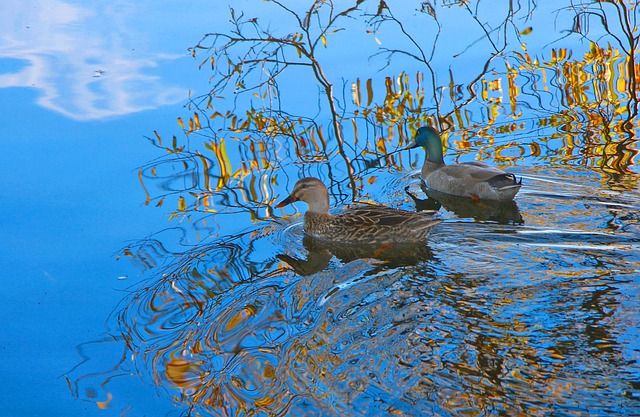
(469, 179)
(360, 224)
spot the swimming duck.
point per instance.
(476, 180)
(358, 224)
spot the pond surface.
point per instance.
(155, 277)
(533, 318)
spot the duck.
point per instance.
(363, 224)
(475, 180)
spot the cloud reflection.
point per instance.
(83, 60)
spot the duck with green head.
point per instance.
(357, 224)
(475, 180)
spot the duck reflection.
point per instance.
(501, 212)
(320, 252)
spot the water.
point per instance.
(535, 317)
(219, 305)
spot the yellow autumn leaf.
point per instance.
(526, 31)
(158, 137)
(182, 373)
(484, 93)
(321, 135)
(205, 168)
(369, 92)
(196, 120)
(381, 145)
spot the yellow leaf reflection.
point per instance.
(146, 193)
(265, 402)
(184, 374)
(526, 31)
(242, 316)
(196, 120)
(157, 135)
(570, 97)
(355, 91)
(105, 404)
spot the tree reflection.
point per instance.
(500, 326)
(227, 330)
(581, 108)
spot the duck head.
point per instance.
(429, 138)
(311, 191)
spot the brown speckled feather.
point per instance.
(359, 224)
(369, 224)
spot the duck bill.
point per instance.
(411, 145)
(287, 201)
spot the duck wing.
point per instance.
(377, 224)
(383, 216)
(475, 172)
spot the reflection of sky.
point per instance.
(89, 61)
(70, 197)
(96, 60)
(86, 63)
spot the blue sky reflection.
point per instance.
(87, 62)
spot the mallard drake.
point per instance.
(476, 180)
(357, 224)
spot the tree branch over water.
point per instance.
(463, 66)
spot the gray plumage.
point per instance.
(476, 180)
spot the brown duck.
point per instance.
(357, 224)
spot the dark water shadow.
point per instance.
(320, 253)
(501, 212)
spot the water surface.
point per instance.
(219, 305)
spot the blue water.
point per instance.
(70, 198)
(531, 308)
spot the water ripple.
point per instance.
(538, 318)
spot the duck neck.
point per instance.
(434, 153)
(319, 204)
